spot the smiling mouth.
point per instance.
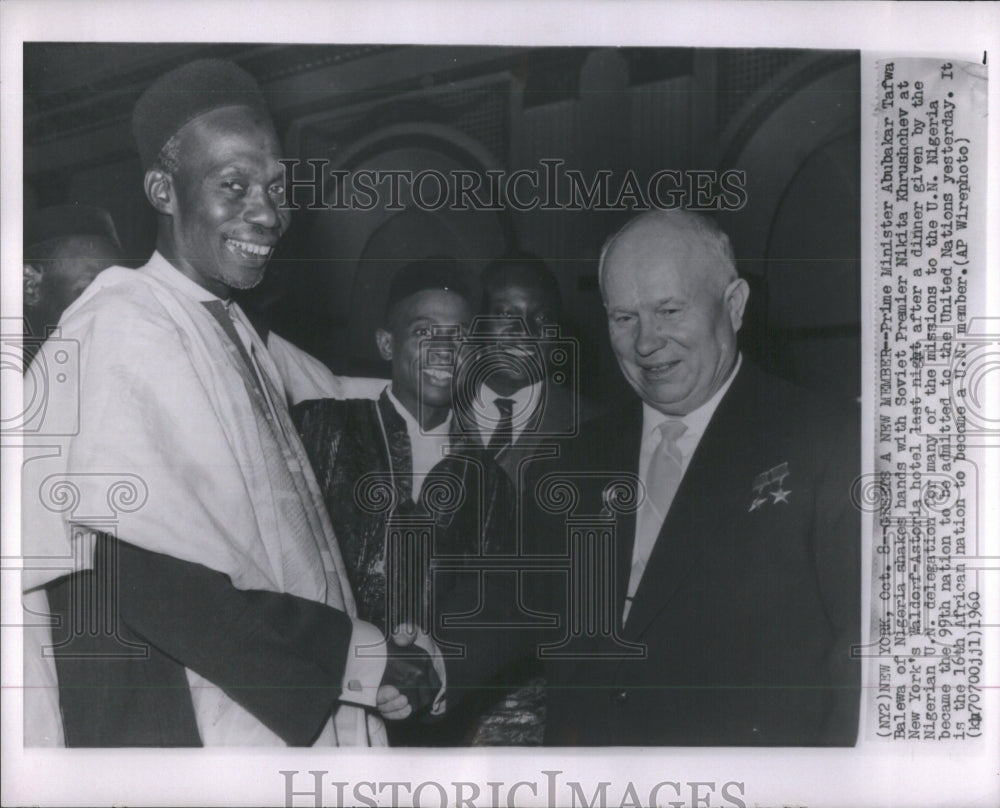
(439, 374)
(248, 250)
(660, 370)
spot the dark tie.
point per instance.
(503, 434)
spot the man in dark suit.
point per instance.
(514, 398)
(733, 601)
(519, 404)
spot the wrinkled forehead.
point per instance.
(436, 305)
(524, 290)
(519, 283)
(662, 253)
(230, 131)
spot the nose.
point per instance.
(261, 210)
(650, 336)
(499, 325)
(441, 356)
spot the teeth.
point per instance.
(248, 247)
(436, 373)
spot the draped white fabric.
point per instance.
(169, 454)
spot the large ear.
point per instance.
(159, 187)
(32, 285)
(383, 340)
(736, 296)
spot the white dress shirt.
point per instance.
(427, 446)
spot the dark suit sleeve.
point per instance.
(493, 652)
(838, 558)
(279, 656)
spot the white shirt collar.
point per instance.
(697, 420)
(427, 446)
(526, 400)
(413, 428)
(161, 269)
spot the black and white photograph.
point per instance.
(548, 422)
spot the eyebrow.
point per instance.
(243, 168)
(423, 319)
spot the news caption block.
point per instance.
(933, 350)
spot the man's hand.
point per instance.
(410, 684)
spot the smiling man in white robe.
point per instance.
(173, 521)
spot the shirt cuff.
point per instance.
(366, 659)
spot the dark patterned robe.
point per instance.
(360, 451)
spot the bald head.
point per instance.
(674, 304)
(664, 231)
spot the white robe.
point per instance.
(151, 434)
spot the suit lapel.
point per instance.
(465, 428)
(606, 455)
(703, 507)
(397, 443)
(625, 460)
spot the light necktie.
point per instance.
(503, 435)
(662, 480)
(279, 456)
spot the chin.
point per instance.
(520, 379)
(435, 400)
(662, 399)
(243, 279)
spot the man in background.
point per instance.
(65, 247)
(511, 403)
(400, 451)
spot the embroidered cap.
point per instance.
(180, 96)
(434, 272)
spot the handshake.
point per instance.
(410, 684)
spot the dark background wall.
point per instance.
(789, 119)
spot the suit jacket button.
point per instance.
(619, 697)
